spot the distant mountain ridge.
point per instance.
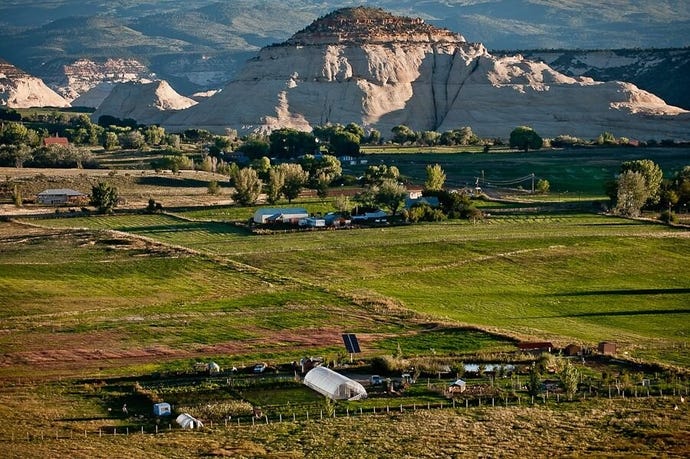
(201, 45)
(405, 72)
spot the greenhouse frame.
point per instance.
(334, 385)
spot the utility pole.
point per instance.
(532, 182)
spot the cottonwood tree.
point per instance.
(274, 186)
(435, 178)
(652, 174)
(631, 194)
(391, 194)
(295, 179)
(342, 204)
(247, 187)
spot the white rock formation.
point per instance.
(366, 66)
(146, 103)
(87, 83)
(21, 90)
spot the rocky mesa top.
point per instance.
(362, 25)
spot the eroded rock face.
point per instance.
(369, 67)
(147, 103)
(21, 90)
(87, 83)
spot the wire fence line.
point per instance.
(674, 397)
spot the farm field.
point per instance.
(574, 173)
(102, 310)
(562, 277)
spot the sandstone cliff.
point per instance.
(367, 66)
(86, 82)
(147, 103)
(21, 90)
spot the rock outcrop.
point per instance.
(366, 66)
(86, 83)
(21, 90)
(147, 103)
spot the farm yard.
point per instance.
(101, 311)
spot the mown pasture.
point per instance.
(563, 277)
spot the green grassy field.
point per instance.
(580, 172)
(563, 277)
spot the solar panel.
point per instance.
(351, 343)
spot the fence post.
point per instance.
(280, 417)
(100, 433)
(253, 421)
(142, 430)
(321, 414)
(467, 403)
(114, 431)
(401, 410)
(493, 404)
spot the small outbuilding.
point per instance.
(457, 386)
(186, 421)
(334, 385)
(572, 349)
(61, 196)
(607, 348)
(162, 409)
(280, 215)
(56, 140)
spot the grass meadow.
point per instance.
(564, 277)
(94, 306)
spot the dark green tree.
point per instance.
(104, 197)
(525, 138)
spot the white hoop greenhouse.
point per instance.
(334, 385)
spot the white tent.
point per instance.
(334, 385)
(188, 422)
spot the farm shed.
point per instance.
(186, 421)
(334, 385)
(607, 348)
(457, 386)
(378, 215)
(162, 409)
(572, 349)
(284, 215)
(61, 196)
